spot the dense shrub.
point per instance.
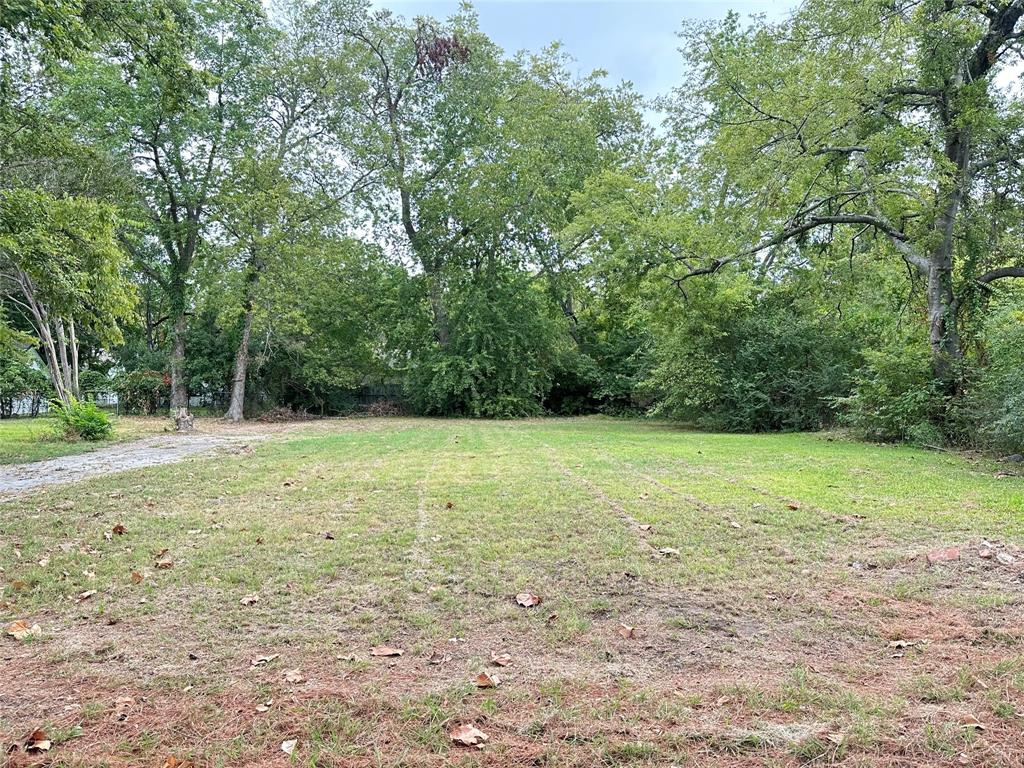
(744, 362)
(81, 421)
(895, 397)
(17, 380)
(498, 361)
(142, 391)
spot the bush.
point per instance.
(895, 397)
(142, 391)
(81, 421)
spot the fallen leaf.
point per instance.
(20, 629)
(551, 619)
(289, 746)
(171, 762)
(250, 599)
(970, 721)
(17, 585)
(85, 595)
(328, 536)
(449, 505)
(528, 599)
(645, 526)
(468, 735)
(294, 676)
(119, 530)
(384, 650)
(943, 555)
(627, 631)
(43, 562)
(165, 563)
(1005, 558)
(37, 741)
(902, 643)
(439, 657)
(265, 706)
(501, 659)
(137, 577)
(645, 496)
(734, 524)
(262, 661)
(485, 680)
(793, 506)
(668, 552)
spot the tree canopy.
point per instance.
(320, 204)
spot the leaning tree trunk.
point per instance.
(236, 408)
(183, 420)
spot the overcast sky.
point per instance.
(634, 40)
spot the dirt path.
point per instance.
(16, 479)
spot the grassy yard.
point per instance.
(727, 600)
(25, 439)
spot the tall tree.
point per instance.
(183, 128)
(868, 124)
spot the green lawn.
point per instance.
(782, 606)
(25, 439)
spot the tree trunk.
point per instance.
(183, 420)
(440, 313)
(236, 409)
(943, 336)
(73, 340)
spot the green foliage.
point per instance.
(79, 420)
(895, 396)
(141, 391)
(498, 362)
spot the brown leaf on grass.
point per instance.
(385, 650)
(119, 530)
(903, 643)
(449, 505)
(468, 735)
(294, 676)
(262, 661)
(165, 563)
(501, 659)
(551, 619)
(668, 552)
(645, 526)
(85, 595)
(20, 629)
(486, 680)
(970, 721)
(250, 599)
(528, 599)
(17, 585)
(137, 578)
(793, 506)
(265, 706)
(173, 762)
(627, 631)
(37, 741)
(328, 536)
(439, 657)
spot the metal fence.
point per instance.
(38, 403)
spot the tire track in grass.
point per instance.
(598, 493)
(418, 555)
